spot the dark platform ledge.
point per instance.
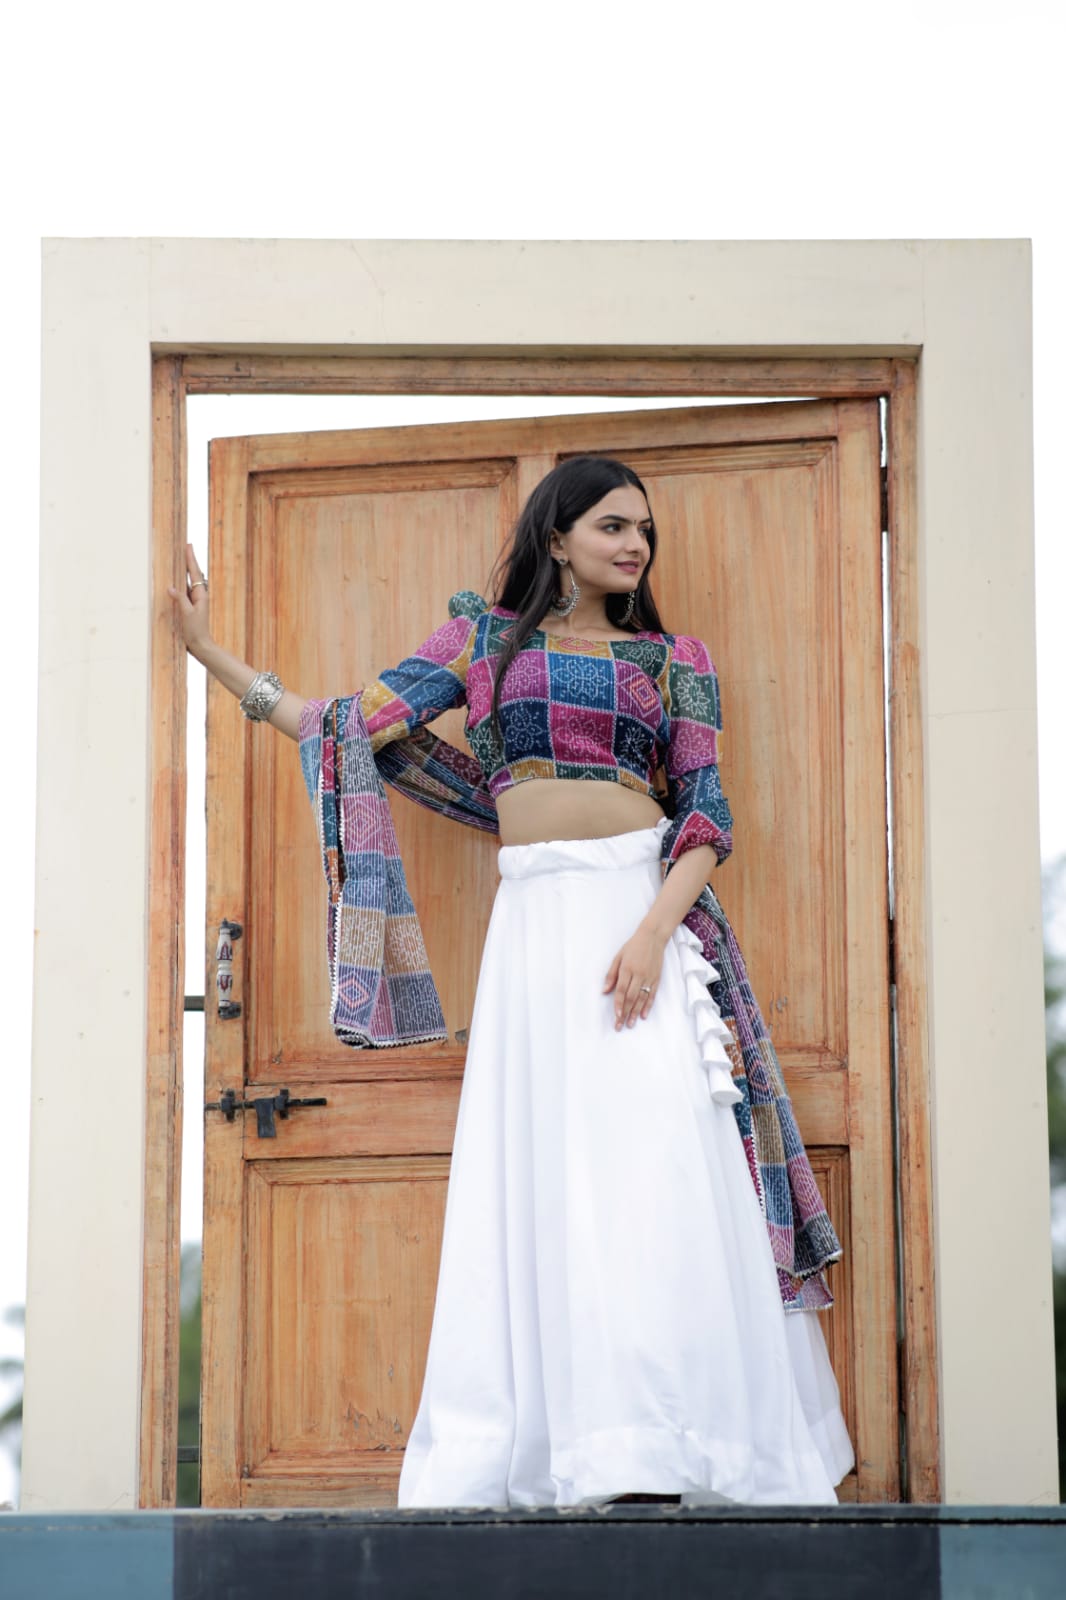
(626, 1552)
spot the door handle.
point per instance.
(265, 1108)
(228, 934)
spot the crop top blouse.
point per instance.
(609, 709)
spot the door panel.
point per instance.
(353, 570)
(332, 556)
(329, 1230)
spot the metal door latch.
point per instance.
(228, 934)
(264, 1107)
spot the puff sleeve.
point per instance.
(432, 679)
(700, 812)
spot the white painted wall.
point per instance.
(967, 305)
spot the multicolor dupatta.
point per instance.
(382, 991)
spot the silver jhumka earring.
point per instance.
(563, 608)
(628, 612)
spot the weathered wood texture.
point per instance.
(224, 1325)
(632, 374)
(919, 1353)
(166, 941)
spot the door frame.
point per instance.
(175, 376)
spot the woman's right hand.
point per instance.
(233, 674)
(192, 607)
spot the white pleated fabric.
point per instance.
(607, 1316)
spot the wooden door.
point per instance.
(332, 555)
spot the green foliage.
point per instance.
(11, 1367)
(1055, 1013)
(1059, 1304)
(189, 1372)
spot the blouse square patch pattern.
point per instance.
(619, 710)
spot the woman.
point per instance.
(610, 1319)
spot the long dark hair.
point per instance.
(527, 571)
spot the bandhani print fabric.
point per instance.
(629, 706)
(616, 710)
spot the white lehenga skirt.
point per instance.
(607, 1315)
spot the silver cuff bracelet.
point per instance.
(261, 696)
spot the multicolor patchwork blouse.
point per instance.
(617, 710)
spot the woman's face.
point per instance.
(608, 547)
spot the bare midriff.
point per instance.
(572, 808)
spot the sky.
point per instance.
(575, 121)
